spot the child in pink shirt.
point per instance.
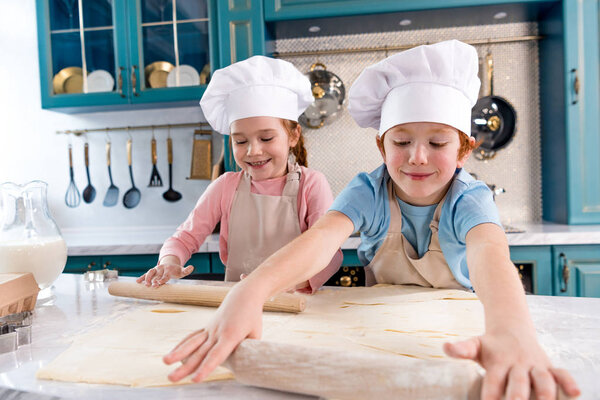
(271, 200)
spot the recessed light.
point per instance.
(500, 15)
(314, 29)
(405, 22)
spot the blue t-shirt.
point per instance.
(468, 203)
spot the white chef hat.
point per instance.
(430, 83)
(256, 87)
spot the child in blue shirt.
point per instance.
(423, 221)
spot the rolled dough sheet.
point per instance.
(398, 320)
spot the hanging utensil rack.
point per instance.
(78, 132)
(474, 42)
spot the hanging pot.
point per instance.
(329, 93)
(493, 119)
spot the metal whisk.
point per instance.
(72, 197)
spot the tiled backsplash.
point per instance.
(342, 149)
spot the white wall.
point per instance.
(30, 149)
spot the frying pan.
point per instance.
(328, 91)
(493, 119)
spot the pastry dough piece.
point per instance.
(409, 323)
(129, 350)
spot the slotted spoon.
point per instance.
(155, 179)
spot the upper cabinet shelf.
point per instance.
(278, 10)
(133, 52)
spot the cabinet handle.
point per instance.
(565, 272)
(120, 79)
(345, 281)
(134, 80)
(106, 265)
(576, 86)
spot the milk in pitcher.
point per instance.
(44, 257)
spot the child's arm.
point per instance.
(240, 315)
(508, 349)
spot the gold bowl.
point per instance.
(68, 80)
(156, 73)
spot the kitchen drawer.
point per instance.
(81, 264)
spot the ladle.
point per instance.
(89, 193)
(171, 195)
(133, 195)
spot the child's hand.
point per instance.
(161, 274)
(239, 317)
(514, 362)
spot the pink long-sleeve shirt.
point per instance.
(314, 199)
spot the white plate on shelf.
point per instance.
(188, 76)
(100, 81)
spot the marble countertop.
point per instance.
(106, 241)
(567, 328)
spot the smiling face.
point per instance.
(421, 158)
(261, 146)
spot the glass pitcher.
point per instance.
(29, 238)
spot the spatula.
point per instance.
(112, 194)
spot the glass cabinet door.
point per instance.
(172, 58)
(83, 54)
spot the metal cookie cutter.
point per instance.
(15, 331)
(101, 275)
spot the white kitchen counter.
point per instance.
(567, 328)
(149, 240)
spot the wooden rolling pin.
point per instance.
(348, 374)
(200, 295)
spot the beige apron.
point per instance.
(259, 225)
(397, 262)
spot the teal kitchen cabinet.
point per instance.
(130, 265)
(216, 265)
(569, 70)
(131, 50)
(576, 270)
(534, 265)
